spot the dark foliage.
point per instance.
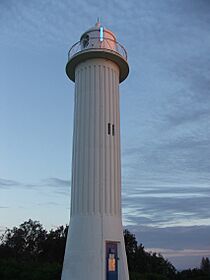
(11, 269)
(145, 265)
(31, 243)
(205, 265)
(197, 274)
(29, 252)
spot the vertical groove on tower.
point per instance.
(89, 210)
(97, 132)
(110, 163)
(109, 145)
(118, 158)
(103, 131)
(79, 145)
(117, 145)
(117, 148)
(85, 127)
(114, 142)
(105, 141)
(94, 140)
(82, 159)
(73, 152)
(100, 146)
(76, 143)
(91, 142)
(76, 147)
(82, 152)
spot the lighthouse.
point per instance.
(95, 248)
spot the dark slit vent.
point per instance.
(113, 129)
(109, 128)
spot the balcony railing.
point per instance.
(95, 43)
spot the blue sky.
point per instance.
(165, 122)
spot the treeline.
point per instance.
(29, 252)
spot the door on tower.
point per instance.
(111, 261)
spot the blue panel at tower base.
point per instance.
(111, 261)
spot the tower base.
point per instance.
(95, 249)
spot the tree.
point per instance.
(25, 242)
(131, 249)
(54, 245)
(142, 262)
(205, 265)
(30, 252)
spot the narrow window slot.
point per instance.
(109, 128)
(113, 130)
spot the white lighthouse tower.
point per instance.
(95, 247)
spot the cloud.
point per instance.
(183, 259)
(31, 25)
(169, 122)
(5, 183)
(181, 253)
(50, 203)
(175, 238)
(165, 205)
(58, 184)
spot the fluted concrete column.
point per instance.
(96, 158)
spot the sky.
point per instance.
(165, 117)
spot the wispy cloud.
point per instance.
(167, 205)
(179, 258)
(175, 238)
(180, 253)
(6, 183)
(30, 24)
(57, 184)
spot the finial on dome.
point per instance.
(98, 24)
